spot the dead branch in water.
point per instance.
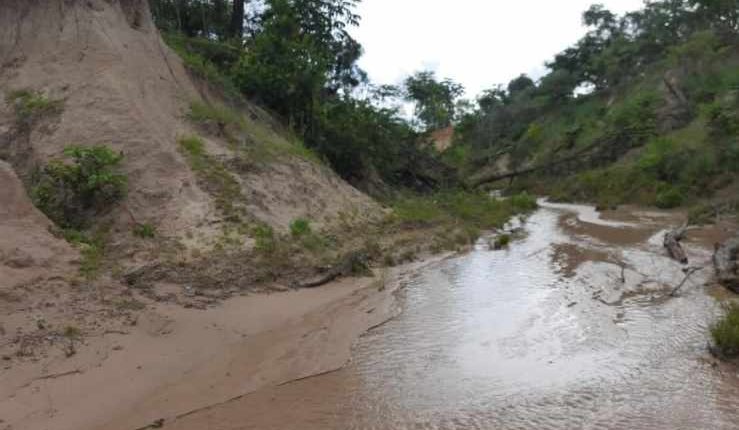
(688, 273)
(672, 243)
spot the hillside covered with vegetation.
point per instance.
(642, 109)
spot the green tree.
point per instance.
(520, 85)
(236, 30)
(434, 100)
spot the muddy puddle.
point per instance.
(572, 327)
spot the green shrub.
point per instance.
(670, 197)
(144, 231)
(300, 227)
(70, 193)
(661, 159)
(723, 116)
(725, 332)
(193, 146)
(31, 105)
(502, 241)
(634, 120)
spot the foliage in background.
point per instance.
(645, 105)
(298, 60)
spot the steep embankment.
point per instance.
(96, 72)
(102, 75)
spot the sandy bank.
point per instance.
(174, 361)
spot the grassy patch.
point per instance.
(266, 240)
(255, 140)
(92, 250)
(204, 112)
(214, 178)
(725, 332)
(469, 212)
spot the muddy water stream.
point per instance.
(549, 334)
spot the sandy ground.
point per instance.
(176, 361)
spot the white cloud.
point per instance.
(478, 43)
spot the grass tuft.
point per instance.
(725, 332)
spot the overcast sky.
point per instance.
(478, 43)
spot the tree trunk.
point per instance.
(237, 19)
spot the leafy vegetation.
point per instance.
(298, 59)
(30, 105)
(725, 332)
(643, 108)
(70, 194)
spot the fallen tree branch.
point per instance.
(672, 243)
(688, 273)
(354, 263)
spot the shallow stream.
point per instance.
(571, 327)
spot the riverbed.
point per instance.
(572, 326)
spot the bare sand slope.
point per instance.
(29, 254)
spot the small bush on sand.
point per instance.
(670, 197)
(502, 241)
(725, 333)
(300, 227)
(31, 105)
(144, 231)
(70, 193)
